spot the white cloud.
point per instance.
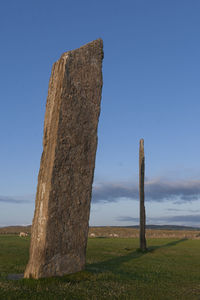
(155, 190)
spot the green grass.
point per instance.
(115, 270)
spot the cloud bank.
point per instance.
(194, 219)
(17, 200)
(157, 190)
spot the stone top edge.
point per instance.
(98, 43)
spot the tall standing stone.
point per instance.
(142, 196)
(60, 224)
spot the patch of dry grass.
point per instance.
(122, 232)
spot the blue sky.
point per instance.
(151, 90)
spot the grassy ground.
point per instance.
(114, 270)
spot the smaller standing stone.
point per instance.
(142, 196)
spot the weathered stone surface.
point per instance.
(142, 196)
(60, 224)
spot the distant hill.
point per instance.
(15, 229)
(18, 229)
(167, 227)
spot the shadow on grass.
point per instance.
(114, 264)
(174, 243)
(111, 265)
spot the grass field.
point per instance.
(114, 270)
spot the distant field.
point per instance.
(114, 270)
(122, 232)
